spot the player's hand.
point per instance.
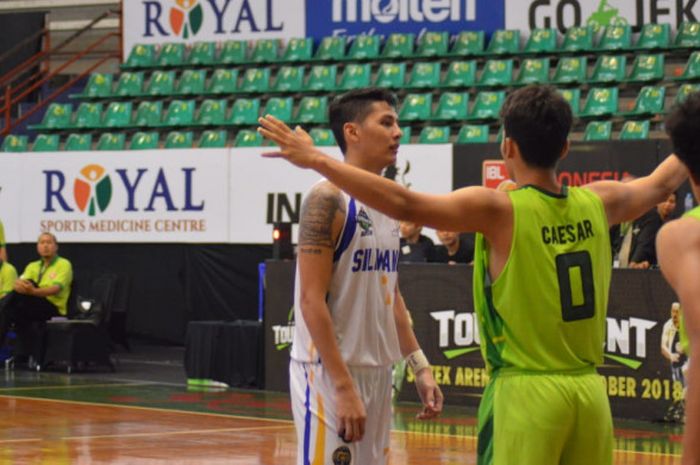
(351, 414)
(295, 145)
(430, 395)
(675, 358)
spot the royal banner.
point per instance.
(161, 21)
(125, 196)
(10, 195)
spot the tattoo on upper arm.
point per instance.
(317, 214)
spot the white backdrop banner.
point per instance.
(140, 196)
(264, 191)
(161, 21)
(10, 194)
(563, 14)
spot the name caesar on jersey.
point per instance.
(567, 233)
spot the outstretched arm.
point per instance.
(630, 200)
(468, 209)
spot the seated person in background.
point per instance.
(8, 276)
(3, 250)
(415, 247)
(455, 248)
(634, 243)
(42, 290)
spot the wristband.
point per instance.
(417, 361)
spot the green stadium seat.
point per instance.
(433, 44)
(161, 83)
(245, 111)
(468, 43)
(280, 108)
(255, 80)
(202, 54)
(608, 69)
(266, 51)
(487, 105)
(248, 138)
(533, 71)
(57, 116)
(322, 137)
(570, 70)
(111, 141)
(130, 84)
(233, 52)
(434, 135)
(178, 140)
(144, 140)
(298, 49)
(171, 54)
(15, 143)
(117, 115)
(424, 74)
(312, 109)
(148, 114)
(211, 112)
(635, 130)
(46, 143)
(223, 81)
(649, 102)
(647, 68)
(191, 82)
(496, 73)
(617, 37)
(416, 107)
(473, 133)
(541, 41)
(691, 71)
(577, 39)
(598, 131)
(405, 135)
(322, 78)
(179, 113)
(573, 97)
(684, 91)
(78, 142)
(504, 42)
(330, 48)
(364, 47)
(654, 36)
(600, 101)
(213, 139)
(289, 79)
(452, 106)
(460, 74)
(399, 45)
(141, 56)
(391, 75)
(355, 76)
(98, 85)
(88, 115)
(688, 35)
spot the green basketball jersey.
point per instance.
(683, 333)
(546, 311)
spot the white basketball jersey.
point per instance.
(361, 293)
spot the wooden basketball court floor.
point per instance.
(57, 419)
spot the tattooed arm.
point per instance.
(322, 218)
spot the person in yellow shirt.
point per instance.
(41, 292)
(8, 276)
(3, 250)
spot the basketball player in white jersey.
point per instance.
(351, 323)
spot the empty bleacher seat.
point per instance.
(598, 131)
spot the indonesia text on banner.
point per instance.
(154, 196)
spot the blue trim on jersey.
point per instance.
(307, 421)
(348, 231)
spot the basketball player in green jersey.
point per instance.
(541, 276)
(678, 249)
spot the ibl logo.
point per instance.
(387, 11)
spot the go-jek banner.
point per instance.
(265, 191)
(10, 195)
(161, 21)
(124, 196)
(526, 15)
(355, 17)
